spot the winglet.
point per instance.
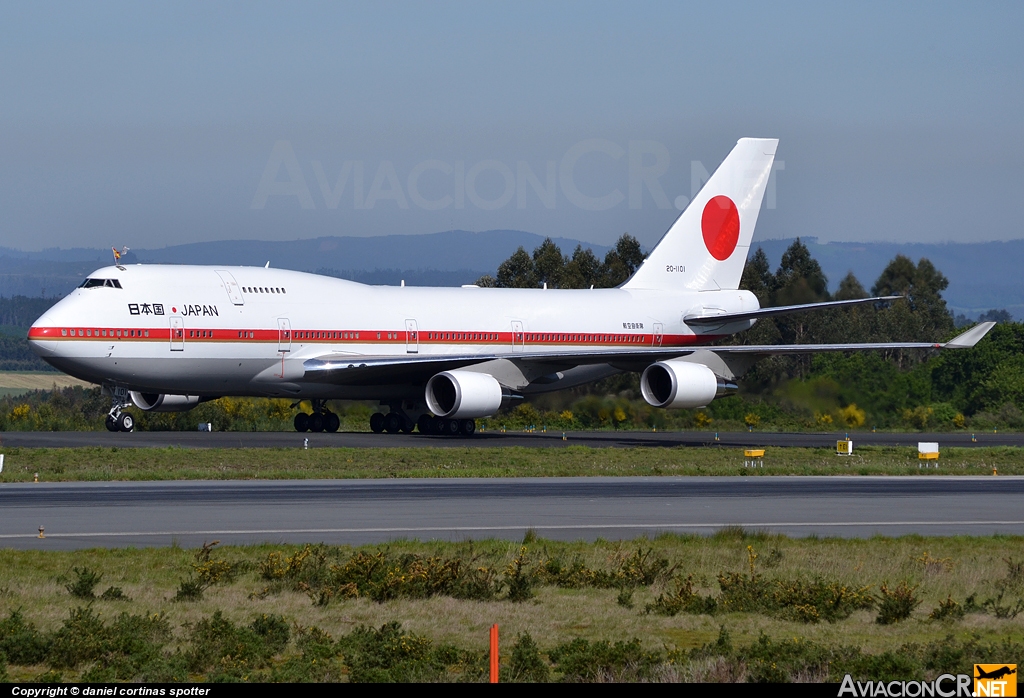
(968, 339)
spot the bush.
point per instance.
(20, 642)
(232, 650)
(896, 604)
(388, 655)
(114, 594)
(683, 600)
(947, 610)
(85, 581)
(82, 638)
(525, 662)
(520, 581)
(581, 660)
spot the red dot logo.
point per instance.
(720, 225)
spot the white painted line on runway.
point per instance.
(536, 527)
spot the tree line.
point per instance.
(895, 388)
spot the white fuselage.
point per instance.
(212, 331)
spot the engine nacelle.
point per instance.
(682, 384)
(156, 402)
(463, 394)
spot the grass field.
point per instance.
(67, 464)
(14, 383)
(289, 581)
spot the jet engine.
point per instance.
(463, 394)
(155, 402)
(676, 383)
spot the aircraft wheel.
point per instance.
(425, 424)
(407, 425)
(316, 422)
(332, 422)
(392, 423)
(111, 424)
(126, 422)
(438, 426)
(302, 422)
(467, 427)
(376, 422)
(452, 427)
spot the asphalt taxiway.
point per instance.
(117, 514)
(487, 439)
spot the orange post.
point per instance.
(494, 653)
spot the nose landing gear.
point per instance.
(117, 420)
(321, 419)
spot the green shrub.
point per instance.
(114, 594)
(896, 604)
(387, 655)
(519, 579)
(82, 638)
(84, 582)
(581, 660)
(948, 610)
(232, 650)
(683, 600)
(20, 642)
(525, 662)
(190, 589)
(799, 600)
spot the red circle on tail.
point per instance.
(720, 225)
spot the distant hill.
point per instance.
(982, 276)
(450, 258)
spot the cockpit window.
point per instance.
(96, 283)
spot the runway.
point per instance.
(119, 514)
(550, 439)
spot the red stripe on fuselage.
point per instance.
(425, 337)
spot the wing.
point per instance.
(964, 340)
(350, 369)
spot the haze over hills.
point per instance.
(982, 276)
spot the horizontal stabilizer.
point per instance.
(722, 318)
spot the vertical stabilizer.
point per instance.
(706, 248)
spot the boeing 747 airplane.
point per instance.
(166, 338)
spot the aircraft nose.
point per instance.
(43, 338)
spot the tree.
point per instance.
(583, 269)
(799, 278)
(549, 264)
(850, 289)
(923, 314)
(757, 278)
(517, 271)
(995, 316)
(621, 261)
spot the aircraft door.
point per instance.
(177, 334)
(659, 330)
(412, 337)
(517, 335)
(284, 335)
(231, 286)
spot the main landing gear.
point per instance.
(322, 419)
(117, 420)
(394, 422)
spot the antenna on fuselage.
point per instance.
(267, 265)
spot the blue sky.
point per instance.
(154, 124)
